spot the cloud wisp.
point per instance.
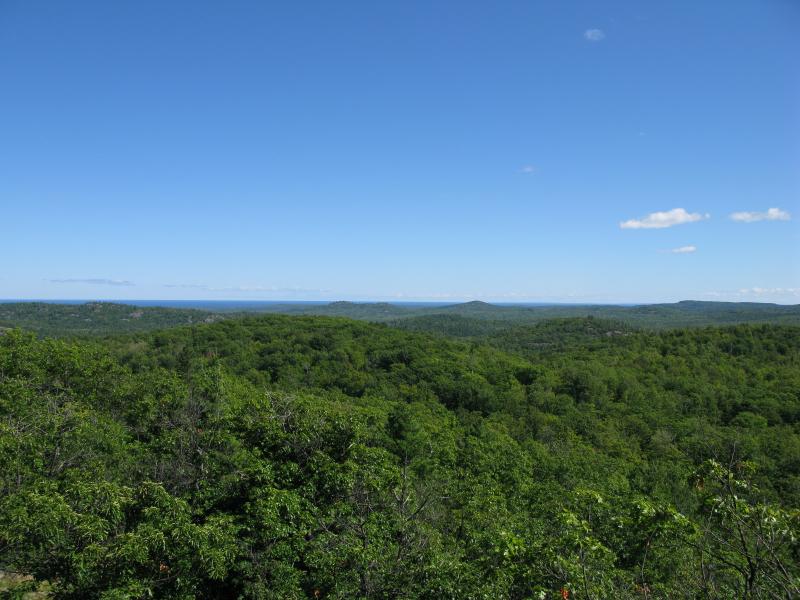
(528, 169)
(757, 294)
(94, 281)
(777, 291)
(246, 288)
(772, 214)
(684, 250)
(594, 35)
(662, 219)
(187, 286)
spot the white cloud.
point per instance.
(772, 214)
(684, 250)
(94, 281)
(759, 292)
(660, 220)
(594, 35)
(528, 169)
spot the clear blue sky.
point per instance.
(400, 150)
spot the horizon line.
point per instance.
(133, 301)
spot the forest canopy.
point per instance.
(309, 457)
(87, 319)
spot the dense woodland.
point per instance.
(650, 316)
(466, 319)
(95, 318)
(281, 456)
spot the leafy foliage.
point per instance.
(310, 457)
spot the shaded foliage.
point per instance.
(309, 457)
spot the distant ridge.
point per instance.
(97, 318)
(471, 304)
(103, 318)
(686, 313)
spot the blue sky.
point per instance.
(508, 151)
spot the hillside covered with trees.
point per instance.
(688, 313)
(468, 319)
(308, 457)
(95, 318)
